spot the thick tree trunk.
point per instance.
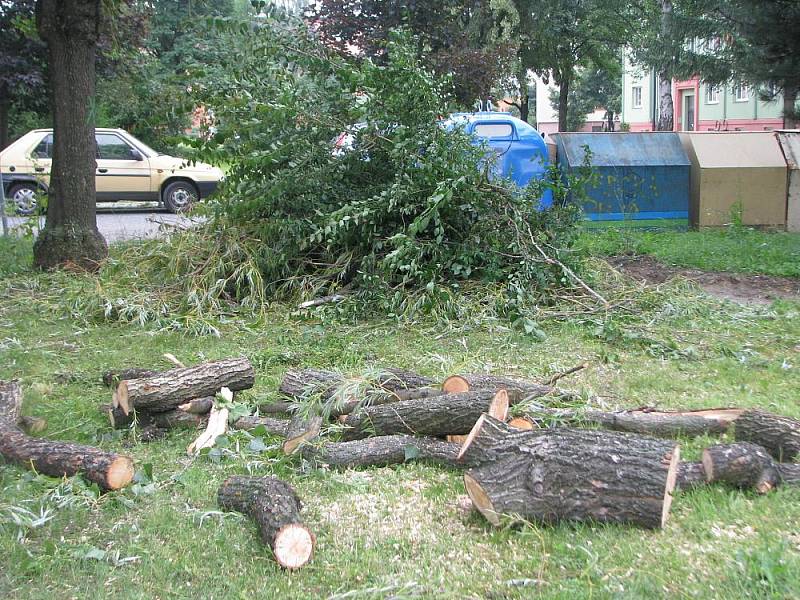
(790, 120)
(382, 451)
(57, 459)
(518, 389)
(578, 475)
(658, 423)
(275, 508)
(70, 235)
(451, 414)
(666, 120)
(490, 440)
(779, 435)
(3, 118)
(170, 389)
(743, 464)
(112, 378)
(270, 425)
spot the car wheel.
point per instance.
(24, 198)
(179, 196)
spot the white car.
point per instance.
(127, 170)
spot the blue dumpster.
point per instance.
(639, 175)
(520, 152)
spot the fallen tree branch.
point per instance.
(563, 374)
(382, 451)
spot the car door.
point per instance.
(41, 160)
(123, 173)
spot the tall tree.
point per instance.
(558, 36)
(666, 108)
(22, 60)
(71, 29)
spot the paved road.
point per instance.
(129, 223)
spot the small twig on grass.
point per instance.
(569, 371)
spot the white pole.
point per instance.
(3, 205)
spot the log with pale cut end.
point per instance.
(648, 422)
(578, 475)
(690, 475)
(272, 426)
(275, 507)
(779, 435)
(450, 414)
(519, 389)
(198, 406)
(113, 377)
(743, 464)
(490, 440)
(300, 429)
(382, 451)
(170, 389)
(54, 458)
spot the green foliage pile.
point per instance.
(405, 207)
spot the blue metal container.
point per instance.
(520, 152)
(639, 175)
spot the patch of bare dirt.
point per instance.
(739, 287)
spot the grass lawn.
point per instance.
(399, 532)
(738, 250)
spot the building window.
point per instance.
(636, 98)
(741, 93)
(712, 94)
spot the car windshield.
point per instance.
(142, 146)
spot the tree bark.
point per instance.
(518, 389)
(666, 109)
(658, 423)
(779, 435)
(108, 470)
(272, 426)
(578, 475)
(563, 103)
(3, 118)
(70, 236)
(382, 451)
(167, 390)
(300, 429)
(451, 414)
(690, 475)
(743, 464)
(198, 406)
(275, 507)
(178, 419)
(790, 120)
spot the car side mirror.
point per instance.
(136, 155)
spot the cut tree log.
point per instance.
(382, 451)
(779, 435)
(112, 378)
(450, 414)
(278, 408)
(743, 464)
(117, 416)
(402, 380)
(198, 406)
(490, 440)
(578, 475)
(300, 429)
(300, 384)
(519, 389)
(170, 389)
(789, 473)
(690, 475)
(178, 419)
(272, 426)
(275, 507)
(108, 470)
(646, 421)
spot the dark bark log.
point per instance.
(788, 473)
(743, 465)
(301, 384)
(170, 389)
(118, 418)
(451, 414)
(382, 451)
(278, 408)
(178, 419)
(275, 507)
(518, 389)
(490, 440)
(112, 378)
(198, 406)
(402, 380)
(579, 475)
(272, 426)
(57, 459)
(648, 422)
(70, 236)
(690, 475)
(300, 429)
(779, 435)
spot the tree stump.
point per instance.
(170, 389)
(779, 435)
(275, 508)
